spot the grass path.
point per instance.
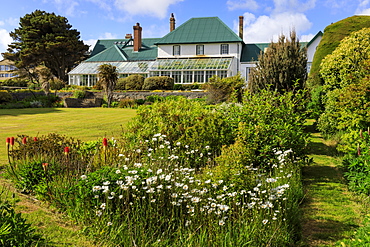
(330, 211)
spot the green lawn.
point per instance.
(82, 123)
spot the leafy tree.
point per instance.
(46, 39)
(346, 87)
(282, 68)
(108, 77)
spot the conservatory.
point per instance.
(182, 70)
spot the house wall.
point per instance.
(189, 50)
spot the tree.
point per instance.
(282, 68)
(108, 77)
(46, 39)
(346, 86)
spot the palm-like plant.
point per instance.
(108, 77)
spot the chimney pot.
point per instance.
(137, 37)
(128, 36)
(241, 24)
(172, 22)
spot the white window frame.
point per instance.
(199, 50)
(176, 50)
(224, 49)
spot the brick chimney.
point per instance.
(241, 23)
(137, 37)
(128, 36)
(172, 23)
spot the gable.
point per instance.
(201, 30)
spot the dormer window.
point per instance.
(176, 50)
(224, 49)
(200, 49)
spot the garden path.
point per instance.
(330, 211)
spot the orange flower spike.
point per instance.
(12, 141)
(45, 166)
(24, 140)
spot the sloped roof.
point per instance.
(201, 30)
(111, 50)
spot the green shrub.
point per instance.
(127, 103)
(132, 82)
(5, 96)
(229, 89)
(158, 82)
(79, 94)
(57, 84)
(14, 231)
(15, 82)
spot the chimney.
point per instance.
(241, 20)
(137, 37)
(128, 36)
(172, 23)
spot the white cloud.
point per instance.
(293, 6)
(102, 4)
(67, 7)
(269, 28)
(90, 42)
(156, 8)
(363, 8)
(242, 4)
(108, 36)
(5, 40)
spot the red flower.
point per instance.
(24, 140)
(105, 142)
(35, 139)
(45, 166)
(66, 150)
(12, 141)
(7, 141)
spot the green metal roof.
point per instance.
(120, 50)
(201, 30)
(191, 64)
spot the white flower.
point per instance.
(174, 195)
(138, 151)
(178, 143)
(185, 187)
(138, 165)
(265, 221)
(223, 207)
(98, 213)
(221, 223)
(103, 206)
(121, 155)
(127, 159)
(96, 188)
(83, 177)
(207, 181)
(120, 196)
(271, 180)
(188, 222)
(106, 183)
(161, 146)
(118, 171)
(159, 171)
(153, 200)
(109, 223)
(195, 199)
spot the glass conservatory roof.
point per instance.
(192, 64)
(158, 65)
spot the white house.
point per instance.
(192, 53)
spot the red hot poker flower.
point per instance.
(24, 140)
(35, 139)
(8, 141)
(12, 141)
(66, 150)
(105, 142)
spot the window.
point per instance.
(222, 73)
(176, 75)
(224, 49)
(209, 74)
(176, 50)
(199, 76)
(200, 49)
(188, 76)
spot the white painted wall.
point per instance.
(189, 50)
(312, 48)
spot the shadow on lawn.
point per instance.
(27, 111)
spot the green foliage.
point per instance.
(158, 82)
(132, 82)
(357, 163)
(348, 63)
(5, 96)
(46, 38)
(127, 103)
(229, 89)
(333, 34)
(79, 94)
(361, 237)
(57, 84)
(14, 82)
(185, 87)
(315, 107)
(282, 68)
(14, 230)
(108, 76)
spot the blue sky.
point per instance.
(263, 20)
